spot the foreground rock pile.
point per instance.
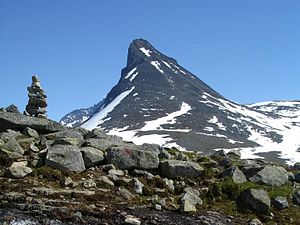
(88, 177)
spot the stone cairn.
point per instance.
(37, 102)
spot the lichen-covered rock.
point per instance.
(256, 200)
(126, 158)
(100, 144)
(176, 168)
(9, 146)
(29, 132)
(65, 158)
(271, 175)
(91, 156)
(19, 170)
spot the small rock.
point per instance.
(164, 154)
(19, 170)
(89, 184)
(237, 175)
(68, 182)
(131, 220)
(138, 186)
(255, 222)
(280, 202)
(169, 184)
(157, 207)
(105, 180)
(116, 172)
(127, 195)
(108, 167)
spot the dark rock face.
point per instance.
(20, 122)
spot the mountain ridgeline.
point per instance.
(158, 101)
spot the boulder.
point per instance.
(65, 158)
(176, 168)
(9, 146)
(271, 175)
(151, 147)
(12, 109)
(18, 121)
(67, 141)
(251, 166)
(297, 166)
(296, 197)
(297, 177)
(29, 132)
(19, 170)
(237, 175)
(256, 200)
(189, 200)
(280, 202)
(95, 133)
(127, 158)
(100, 144)
(91, 156)
(68, 133)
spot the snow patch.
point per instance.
(130, 73)
(146, 51)
(156, 64)
(215, 120)
(97, 119)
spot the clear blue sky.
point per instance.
(248, 50)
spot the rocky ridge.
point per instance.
(75, 176)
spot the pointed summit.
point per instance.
(141, 51)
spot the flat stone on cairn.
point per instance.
(37, 102)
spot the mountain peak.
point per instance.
(141, 51)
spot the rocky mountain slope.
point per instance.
(50, 174)
(158, 101)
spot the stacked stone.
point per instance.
(37, 102)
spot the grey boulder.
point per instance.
(18, 121)
(280, 202)
(256, 200)
(129, 158)
(65, 158)
(271, 175)
(19, 170)
(176, 168)
(91, 156)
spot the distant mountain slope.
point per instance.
(158, 101)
